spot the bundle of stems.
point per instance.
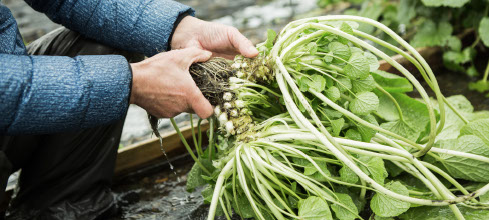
(311, 126)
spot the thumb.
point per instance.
(200, 105)
(242, 44)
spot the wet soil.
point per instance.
(160, 193)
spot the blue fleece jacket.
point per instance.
(46, 94)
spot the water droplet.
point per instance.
(166, 156)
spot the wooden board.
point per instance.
(432, 55)
(144, 153)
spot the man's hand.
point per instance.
(221, 40)
(162, 84)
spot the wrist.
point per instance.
(134, 84)
(175, 25)
(185, 33)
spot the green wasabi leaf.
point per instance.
(374, 166)
(293, 201)
(484, 198)
(406, 10)
(271, 34)
(243, 207)
(455, 59)
(338, 24)
(333, 93)
(340, 50)
(301, 162)
(347, 175)
(328, 58)
(317, 82)
(464, 168)
(363, 85)
(353, 134)
(309, 170)
(345, 27)
(329, 113)
(325, 39)
(415, 113)
(448, 3)
(432, 34)
(454, 43)
(372, 60)
(356, 50)
(278, 203)
(341, 212)
(311, 48)
(343, 84)
(453, 124)
(477, 115)
(357, 67)
(194, 178)
(402, 128)
(312, 171)
(484, 30)
(207, 194)
(391, 82)
(314, 208)
(364, 103)
(366, 132)
(385, 206)
(479, 86)
(303, 83)
(415, 184)
(472, 71)
(329, 82)
(392, 169)
(479, 128)
(337, 126)
(293, 186)
(443, 213)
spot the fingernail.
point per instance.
(208, 53)
(252, 50)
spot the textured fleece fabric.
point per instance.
(46, 94)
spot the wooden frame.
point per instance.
(136, 156)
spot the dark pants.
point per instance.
(63, 175)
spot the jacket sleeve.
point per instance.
(142, 26)
(46, 94)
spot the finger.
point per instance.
(193, 55)
(200, 105)
(241, 43)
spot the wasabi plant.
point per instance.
(311, 129)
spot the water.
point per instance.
(166, 157)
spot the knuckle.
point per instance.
(233, 30)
